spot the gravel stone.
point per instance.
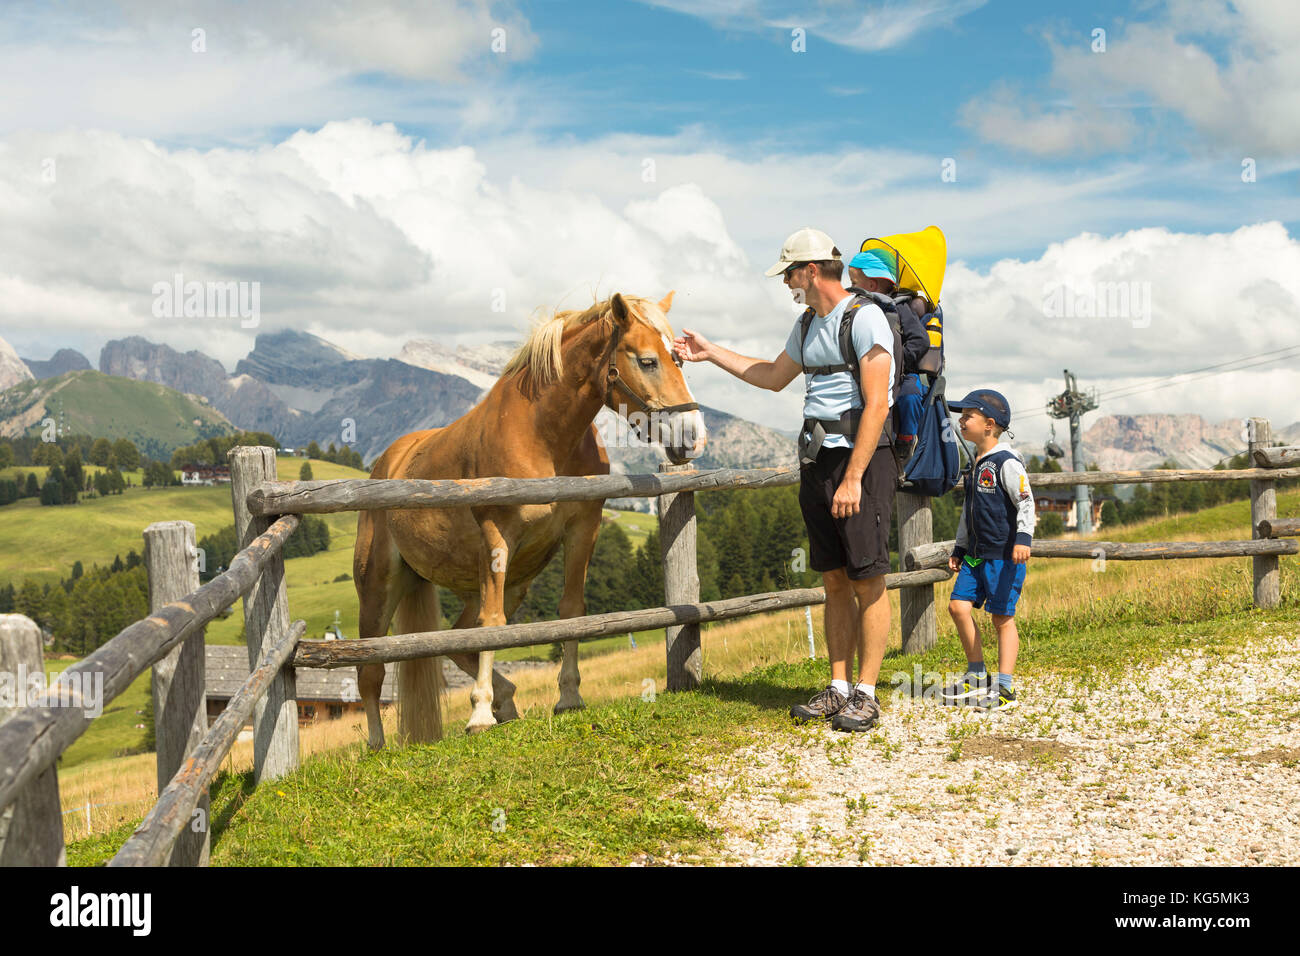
(1184, 763)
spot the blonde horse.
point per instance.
(537, 421)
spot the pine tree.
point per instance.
(128, 456)
(649, 574)
(52, 490)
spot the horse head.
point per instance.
(644, 379)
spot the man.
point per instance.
(846, 494)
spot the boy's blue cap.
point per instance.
(875, 264)
(986, 402)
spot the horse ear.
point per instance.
(666, 302)
(618, 308)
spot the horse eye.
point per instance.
(649, 362)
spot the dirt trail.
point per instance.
(1196, 761)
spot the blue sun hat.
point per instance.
(876, 264)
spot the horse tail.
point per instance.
(420, 686)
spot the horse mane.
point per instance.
(540, 354)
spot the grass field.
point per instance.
(606, 785)
(44, 542)
(1071, 618)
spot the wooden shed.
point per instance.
(322, 694)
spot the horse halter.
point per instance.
(615, 380)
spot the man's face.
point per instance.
(799, 278)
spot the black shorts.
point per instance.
(860, 542)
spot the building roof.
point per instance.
(227, 669)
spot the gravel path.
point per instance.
(1196, 761)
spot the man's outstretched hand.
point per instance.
(691, 346)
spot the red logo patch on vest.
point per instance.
(987, 478)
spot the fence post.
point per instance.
(681, 582)
(179, 700)
(1263, 504)
(31, 828)
(266, 619)
(916, 603)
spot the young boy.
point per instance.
(994, 535)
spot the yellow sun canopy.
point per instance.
(922, 257)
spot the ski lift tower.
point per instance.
(1072, 404)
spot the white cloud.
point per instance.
(1008, 117)
(354, 231)
(418, 39)
(133, 68)
(1213, 298)
(370, 238)
(1228, 71)
(871, 26)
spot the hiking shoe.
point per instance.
(968, 690)
(860, 713)
(825, 703)
(1002, 698)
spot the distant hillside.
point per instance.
(301, 388)
(64, 360)
(158, 419)
(1134, 442)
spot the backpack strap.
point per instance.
(805, 325)
(848, 422)
(886, 306)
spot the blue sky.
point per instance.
(383, 171)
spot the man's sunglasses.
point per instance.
(797, 265)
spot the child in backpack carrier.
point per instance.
(994, 535)
(875, 271)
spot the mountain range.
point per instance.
(303, 388)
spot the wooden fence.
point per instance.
(175, 832)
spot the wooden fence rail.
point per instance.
(401, 647)
(32, 739)
(936, 555)
(174, 813)
(1279, 527)
(377, 494)
(266, 510)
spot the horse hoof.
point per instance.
(478, 728)
(565, 708)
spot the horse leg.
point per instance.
(503, 691)
(579, 543)
(497, 542)
(378, 573)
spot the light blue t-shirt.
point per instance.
(829, 395)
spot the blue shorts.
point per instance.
(996, 582)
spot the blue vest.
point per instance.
(990, 511)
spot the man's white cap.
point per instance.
(806, 245)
